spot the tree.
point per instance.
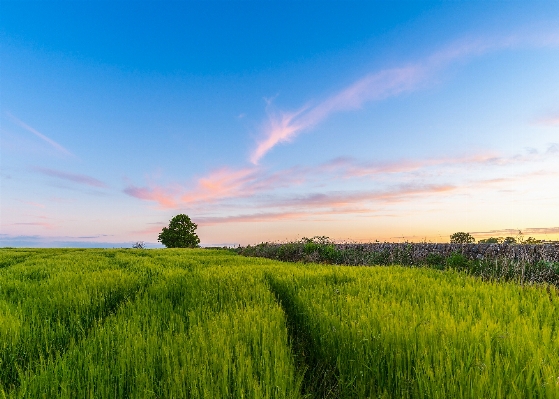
(180, 233)
(462, 238)
(532, 241)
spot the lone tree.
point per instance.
(462, 238)
(180, 233)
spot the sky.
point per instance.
(272, 121)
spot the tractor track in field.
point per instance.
(320, 377)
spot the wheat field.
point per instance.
(198, 323)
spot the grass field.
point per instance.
(210, 324)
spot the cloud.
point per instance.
(39, 241)
(160, 195)
(50, 141)
(244, 187)
(39, 224)
(332, 204)
(514, 232)
(282, 127)
(274, 216)
(76, 178)
(342, 199)
(222, 183)
(218, 185)
(149, 231)
(349, 168)
(541, 230)
(32, 203)
(248, 218)
(553, 149)
(96, 236)
(552, 121)
(227, 183)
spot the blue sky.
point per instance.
(269, 121)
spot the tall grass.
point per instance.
(210, 324)
(51, 300)
(201, 326)
(419, 333)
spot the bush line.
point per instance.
(525, 263)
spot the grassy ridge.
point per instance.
(210, 324)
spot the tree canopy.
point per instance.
(462, 238)
(180, 233)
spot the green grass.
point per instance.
(421, 333)
(211, 324)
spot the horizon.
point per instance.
(267, 122)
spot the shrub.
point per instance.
(435, 260)
(457, 261)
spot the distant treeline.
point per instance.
(526, 263)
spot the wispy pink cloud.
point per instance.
(250, 218)
(150, 231)
(549, 121)
(222, 183)
(333, 204)
(541, 230)
(226, 183)
(48, 140)
(76, 178)
(164, 197)
(32, 203)
(344, 199)
(38, 224)
(217, 185)
(515, 178)
(277, 216)
(283, 127)
(513, 232)
(350, 168)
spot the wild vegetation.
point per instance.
(523, 263)
(194, 323)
